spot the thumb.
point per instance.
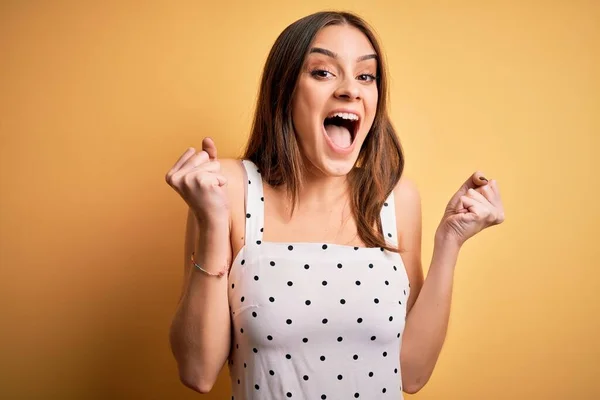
(209, 146)
(475, 180)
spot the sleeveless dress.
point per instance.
(315, 320)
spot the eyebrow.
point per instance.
(331, 54)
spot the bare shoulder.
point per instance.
(407, 201)
(234, 172)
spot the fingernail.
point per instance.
(483, 178)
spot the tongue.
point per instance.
(339, 135)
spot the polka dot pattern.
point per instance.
(315, 320)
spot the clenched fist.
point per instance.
(198, 180)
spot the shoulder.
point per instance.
(407, 201)
(409, 226)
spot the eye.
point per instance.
(321, 73)
(367, 77)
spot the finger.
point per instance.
(475, 195)
(475, 180)
(209, 146)
(193, 162)
(182, 159)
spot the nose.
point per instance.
(348, 90)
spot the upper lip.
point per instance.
(344, 110)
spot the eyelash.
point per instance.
(315, 73)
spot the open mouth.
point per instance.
(341, 128)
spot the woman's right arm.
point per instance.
(200, 331)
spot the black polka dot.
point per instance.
(324, 283)
(339, 339)
(376, 300)
(398, 335)
(383, 390)
(241, 330)
(322, 358)
(323, 397)
(306, 266)
(391, 318)
(385, 353)
(245, 365)
(357, 283)
(355, 357)
(339, 265)
(305, 377)
(290, 247)
(339, 377)
(288, 394)
(258, 242)
(242, 299)
(373, 337)
(262, 199)
(249, 182)
(360, 320)
(355, 248)
(270, 337)
(370, 374)
(272, 263)
(262, 229)
(342, 301)
(356, 395)
(389, 235)
(255, 277)
(324, 320)
(290, 283)
(395, 269)
(387, 283)
(289, 357)
(254, 314)
(239, 382)
(370, 265)
(400, 302)
(243, 262)
(248, 215)
(385, 204)
(255, 350)
(288, 321)
(382, 249)
(271, 299)
(271, 372)
(405, 292)
(232, 285)
(305, 340)
(256, 387)
(307, 302)
(324, 247)
(395, 370)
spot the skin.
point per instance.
(475, 206)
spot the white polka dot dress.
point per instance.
(315, 320)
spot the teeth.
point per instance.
(350, 116)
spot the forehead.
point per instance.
(345, 40)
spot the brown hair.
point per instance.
(273, 147)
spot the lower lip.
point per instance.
(344, 151)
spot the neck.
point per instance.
(320, 192)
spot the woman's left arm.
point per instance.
(475, 206)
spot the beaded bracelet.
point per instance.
(219, 274)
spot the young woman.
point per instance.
(303, 259)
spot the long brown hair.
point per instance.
(273, 147)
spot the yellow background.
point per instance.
(98, 100)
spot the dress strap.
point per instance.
(254, 201)
(388, 221)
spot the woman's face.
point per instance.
(336, 99)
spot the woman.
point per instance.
(302, 261)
